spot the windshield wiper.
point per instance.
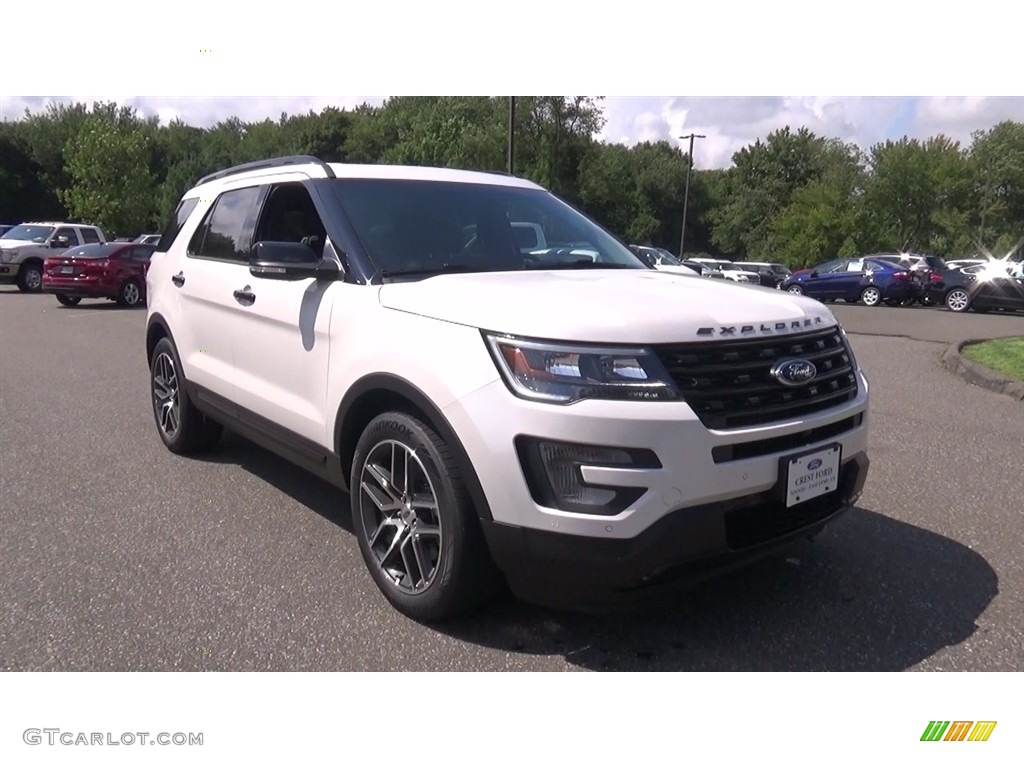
(583, 264)
(444, 269)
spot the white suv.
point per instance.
(576, 427)
(24, 248)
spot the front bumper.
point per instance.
(683, 547)
(9, 273)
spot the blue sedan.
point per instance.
(871, 281)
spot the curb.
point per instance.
(979, 375)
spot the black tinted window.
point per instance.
(289, 216)
(222, 235)
(69, 233)
(95, 251)
(177, 221)
(90, 235)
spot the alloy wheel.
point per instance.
(165, 395)
(957, 300)
(130, 294)
(398, 509)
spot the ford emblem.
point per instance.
(794, 373)
(814, 464)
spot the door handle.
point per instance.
(179, 279)
(245, 296)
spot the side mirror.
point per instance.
(273, 260)
(59, 242)
(815, 273)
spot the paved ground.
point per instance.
(116, 555)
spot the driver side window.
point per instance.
(289, 216)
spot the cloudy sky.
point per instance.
(728, 122)
(730, 56)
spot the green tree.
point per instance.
(920, 195)
(997, 169)
(112, 185)
(765, 178)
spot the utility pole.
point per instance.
(512, 134)
(686, 194)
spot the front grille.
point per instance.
(729, 383)
(722, 454)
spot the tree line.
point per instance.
(793, 196)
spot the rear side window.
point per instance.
(177, 221)
(89, 235)
(223, 233)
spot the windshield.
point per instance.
(423, 227)
(667, 259)
(32, 232)
(728, 266)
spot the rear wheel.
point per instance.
(958, 300)
(871, 296)
(415, 523)
(30, 278)
(68, 301)
(182, 428)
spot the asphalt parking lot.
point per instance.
(116, 555)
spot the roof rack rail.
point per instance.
(274, 162)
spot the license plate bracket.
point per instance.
(810, 474)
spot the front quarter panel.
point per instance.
(445, 361)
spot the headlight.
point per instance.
(553, 372)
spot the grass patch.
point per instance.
(1003, 355)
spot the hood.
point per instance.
(677, 270)
(11, 244)
(612, 306)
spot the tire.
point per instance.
(181, 427)
(795, 289)
(958, 300)
(30, 278)
(871, 296)
(431, 564)
(130, 294)
(68, 301)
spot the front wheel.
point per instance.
(30, 278)
(130, 294)
(68, 301)
(871, 296)
(958, 300)
(414, 521)
(796, 289)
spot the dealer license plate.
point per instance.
(67, 270)
(812, 474)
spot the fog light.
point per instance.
(562, 463)
(553, 472)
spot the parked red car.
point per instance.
(102, 271)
